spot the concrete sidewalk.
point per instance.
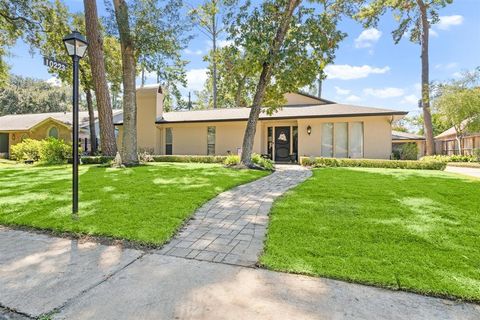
(71, 280)
(472, 172)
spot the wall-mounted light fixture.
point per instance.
(309, 130)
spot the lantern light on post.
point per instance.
(76, 47)
(309, 130)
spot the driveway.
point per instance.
(472, 172)
(70, 279)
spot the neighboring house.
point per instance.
(18, 127)
(305, 126)
(399, 139)
(446, 142)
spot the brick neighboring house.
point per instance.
(446, 142)
(17, 127)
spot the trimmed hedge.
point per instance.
(257, 159)
(96, 159)
(452, 158)
(201, 159)
(372, 163)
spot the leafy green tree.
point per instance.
(20, 19)
(26, 95)
(414, 19)
(287, 44)
(458, 103)
(153, 33)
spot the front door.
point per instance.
(282, 144)
(4, 142)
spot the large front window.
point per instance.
(168, 141)
(211, 141)
(342, 140)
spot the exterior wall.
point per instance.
(448, 145)
(191, 138)
(377, 136)
(40, 132)
(149, 107)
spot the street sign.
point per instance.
(52, 63)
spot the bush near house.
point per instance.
(97, 159)
(373, 163)
(199, 159)
(257, 159)
(48, 151)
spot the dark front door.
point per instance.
(282, 144)
(4, 142)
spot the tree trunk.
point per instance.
(214, 60)
(129, 146)
(91, 122)
(263, 82)
(97, 64)
(427, 116)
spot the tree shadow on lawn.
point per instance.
(146, 203)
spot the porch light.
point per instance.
(75, 44)
(309, 130)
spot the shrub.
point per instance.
(97, 159)
(465, 164)
(373, 163)
(54, 151)
(262, 162)
(409, 151)
(257, 159)
(29, 149)
(232, 161)
(452, 158)
(476, 154)
(201, 159)
(145, 156)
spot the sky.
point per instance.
(369, 69)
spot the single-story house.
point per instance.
(446, 142)
(399, 139)
(17, 127)
(304, 126)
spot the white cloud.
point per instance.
(353, 98)
(348, 72)
(384, 93)
(367, 38)
(224, 43)
(342, 91)
(433, 33)
(193, 52)
(54, 82)
(410, 99)
(450, 65)
(196, 79)
(447, 21)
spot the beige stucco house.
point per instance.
(305, 126)
(17, 127)
(400, 138)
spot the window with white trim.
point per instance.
(211, 132)
(168, 141)
(342, 140)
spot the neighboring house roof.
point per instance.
(287, 112)
(447, 133)
(399, 135)
(24, 122)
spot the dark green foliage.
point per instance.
(402, 229)
(97, 160)
(373, 163)
(409, 151)
(197, 159)
(26, 95)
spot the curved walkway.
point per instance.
(231, 227)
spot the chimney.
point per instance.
(159, 103)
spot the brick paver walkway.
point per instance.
(231, 227)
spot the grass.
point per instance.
(403, 229)
(146, 204)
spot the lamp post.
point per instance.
(76, 46)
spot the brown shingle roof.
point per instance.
(288, 112)
(399, 135)
(22, 122)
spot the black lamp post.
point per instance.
(76, 46)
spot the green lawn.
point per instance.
(146, 204)
(405, 229)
